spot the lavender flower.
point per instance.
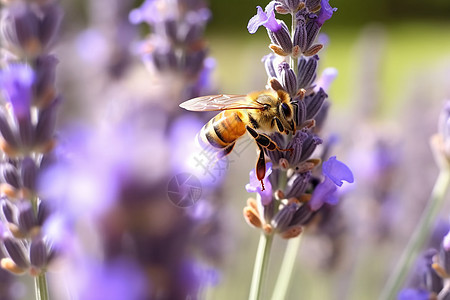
(301, 186)
(124, 192)
(293, 213)
(175, 41)
(299, 191)
(29, 29)
(431, 274)
(27, 126)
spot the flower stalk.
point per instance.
(419, 236)
(287, 268)
(261, 265)
(41, 287)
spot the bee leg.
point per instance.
(264, 141)
(279, 124)
(261, 167)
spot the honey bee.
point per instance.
(257, 113)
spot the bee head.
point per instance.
(277, 105)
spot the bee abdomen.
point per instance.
(222, 131)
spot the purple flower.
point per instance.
(335, 173)
(255, 185)
(265, 18)
(325, 12)
(16, 82)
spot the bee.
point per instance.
(257, 113)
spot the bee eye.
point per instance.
(286, 109)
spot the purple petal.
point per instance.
(325, 12)
(337, 171)
(257, 20)
(272, 23)
(265, 18)
(323, 193)
(255, 185)
(16, 81)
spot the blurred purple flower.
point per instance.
(335, 172)
(325, 13)
(264, 18)
(115, 280)
(91, 177)
(58, 230)
(187, 156)
(147, 12)
(92, 46)
(326, 79)
(413, 294)
(16, 82)
(446, 242)
(255, 185)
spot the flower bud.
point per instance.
(16, 251)
(297, 184)
(306, 71)
(288, 79)
(309, 145)
(8, 211)
(27, 218)
(28, 172)
(314, 102)
(6, 131)
(282, 219)
(45, 127)
(10, 175)
(38, 253)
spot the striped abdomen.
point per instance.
(222, 131)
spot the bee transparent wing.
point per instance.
(220, 102)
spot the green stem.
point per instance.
(41, 287)
(419, 236)
(261, 264)
(287, 267)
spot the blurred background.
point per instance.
(393, 61)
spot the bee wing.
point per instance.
(220, 102)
